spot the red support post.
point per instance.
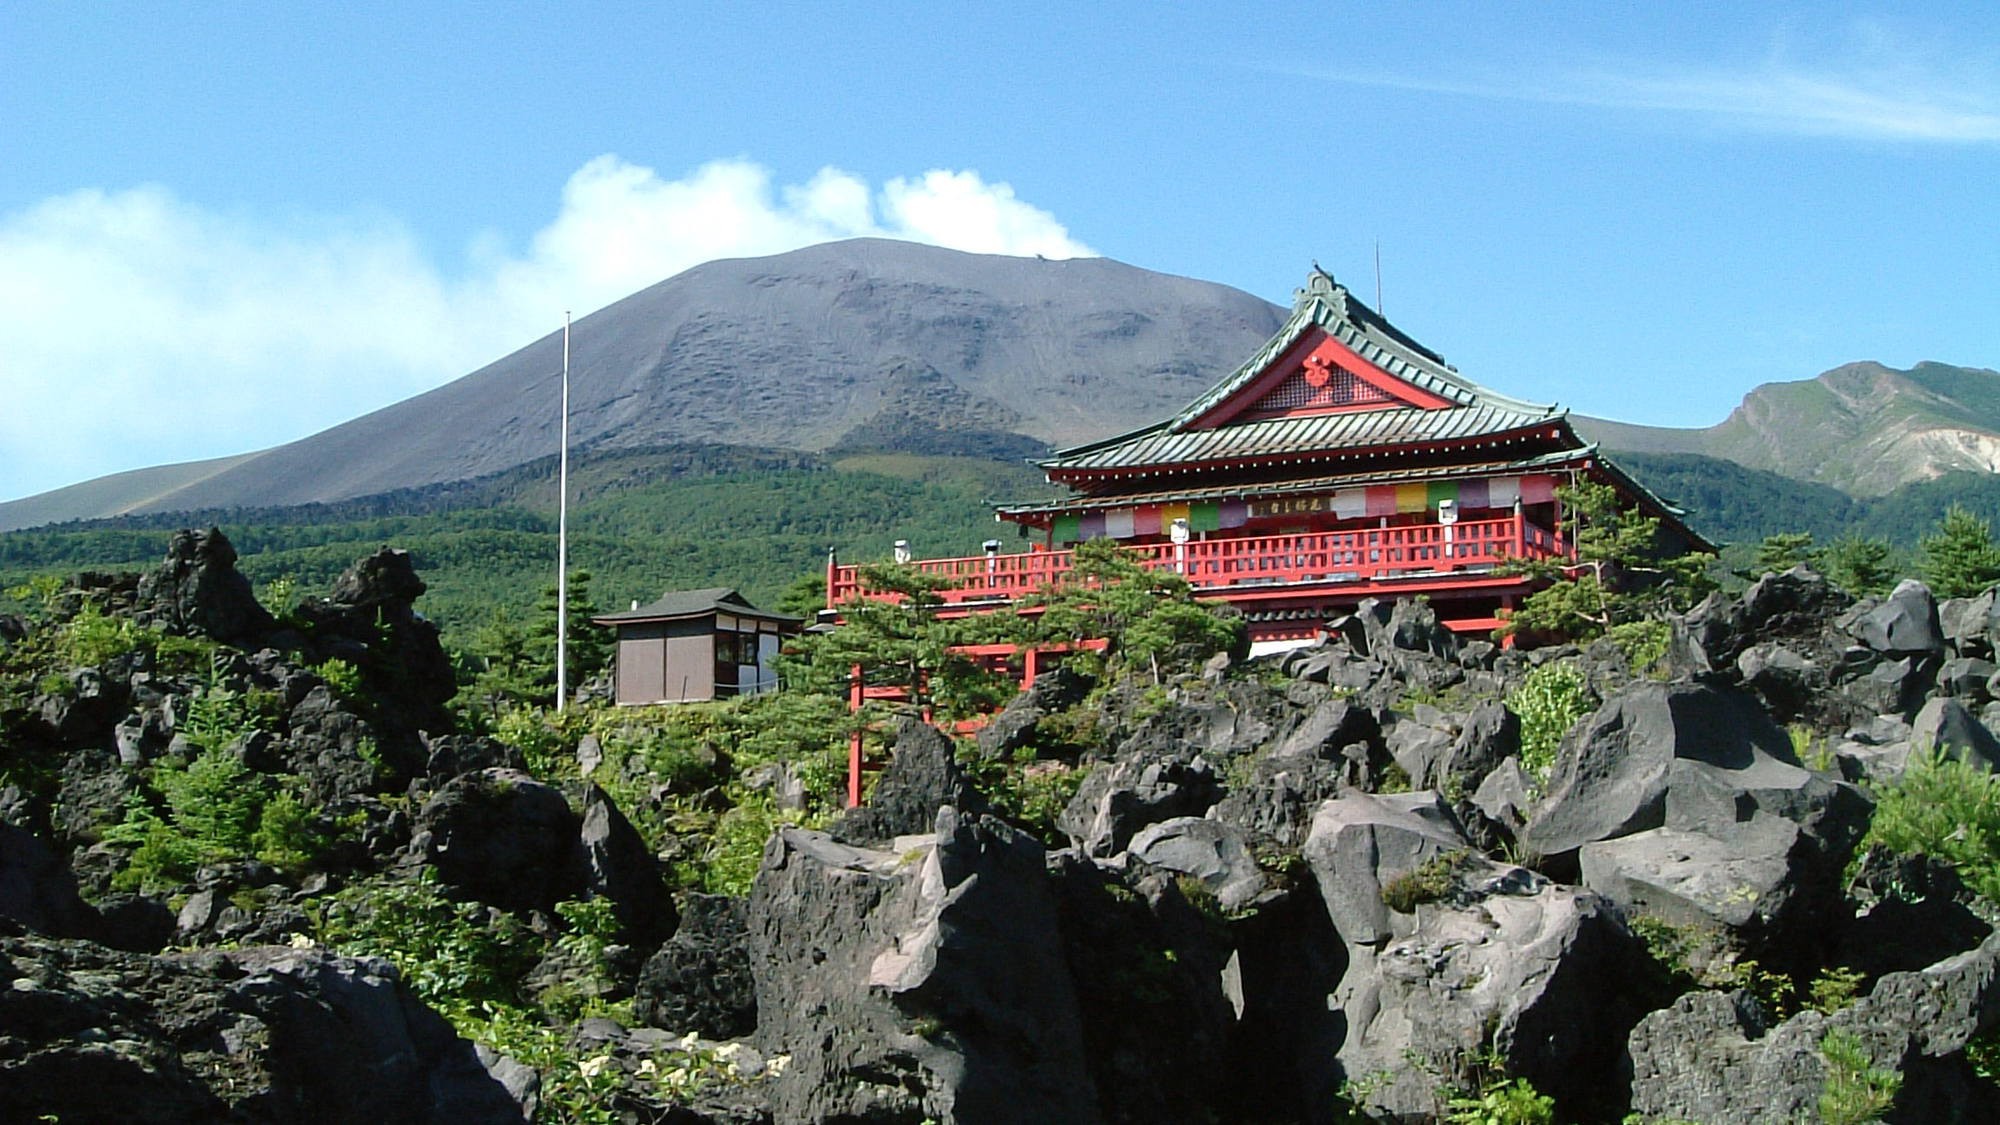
(856, 691)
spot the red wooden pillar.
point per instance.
(854, 699)
(1030, 666)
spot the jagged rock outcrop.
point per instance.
(503, 838)
(923, 776)
(258, 1035)
(700, 979)
(1448, 951)
(906, 988)
(1712, 1057)
(199, 592)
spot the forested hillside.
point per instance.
(641, 522)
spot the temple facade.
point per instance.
(1342, 461)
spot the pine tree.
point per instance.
(1781, 552)
(1619, 577)
(1959, 559)
(1861, 566)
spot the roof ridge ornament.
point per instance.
(1321, 284)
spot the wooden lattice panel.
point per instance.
(1321, 384)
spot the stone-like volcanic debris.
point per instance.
(1496, 956)
(258, 1035)
(1970, 625)
(1141, 788)
(1966, 678)
(1903, 624)
(923, 776)
(1681, 756)
(1911, 911)
(1209, 850)
(1782, 678)
(37, 889)
(903, 987)
(1016, 726)
(700, 979)
(1362, 841)
(1711, 1057)
(1277, 798)
(198, 591)
(617, 865)
(503, 838)
(1758, 881)
(1945, 727)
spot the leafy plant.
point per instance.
(1549, 702)
(1946, 809)
(453, 955)
(1430, 881)
(1856, 1090)
(1511, 1102)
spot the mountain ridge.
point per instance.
(1864, 428)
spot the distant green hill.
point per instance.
(1733, 504)
(642, 521)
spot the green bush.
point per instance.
(454, 955)
(1549, 702)
(1946, 809)
(1856, 1091)
(1514, 1102)
(1432, 880)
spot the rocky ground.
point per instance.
(252, 868)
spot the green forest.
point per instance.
(646, 521)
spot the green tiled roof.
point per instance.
(1327, 306)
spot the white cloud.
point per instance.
(1873, 85)
(141, 328)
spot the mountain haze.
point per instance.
(1863, 428)
(867, 343)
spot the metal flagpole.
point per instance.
(562, 536)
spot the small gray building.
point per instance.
(696, 645)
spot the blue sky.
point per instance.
(225, 226)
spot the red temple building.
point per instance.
(1342, 461)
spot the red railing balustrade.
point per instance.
(1357, 555)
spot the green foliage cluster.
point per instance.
(1856, 1091)
(1550, 701)
(454, 955)
(212, 809)
(1151, 616)
(1513, 1101)
(1028, 790)
(1947, 809)
(1430, 881)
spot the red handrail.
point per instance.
(1357, 555)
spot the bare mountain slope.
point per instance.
(885, 341)
(1863, 428)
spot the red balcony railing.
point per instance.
(1358, 555)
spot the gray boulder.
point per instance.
(1362, 841)
(1903, 624)
(1681, 756)
(923, 776)
(1965, 678)
(1500, 958)
(1945, 727)
(1208, 850)
(1970, 625)
(256, 1034)
(700, 979)
(905, 988)
(618, 866)
(1018, 725)
(1115, 801)
(502, 837)
(1759, 881)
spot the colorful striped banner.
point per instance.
(1118, 523)
(1206, 516)
(1235, 513)
(1146, 521)
(1066, 529)
(1412, 497)
(1538, 489)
